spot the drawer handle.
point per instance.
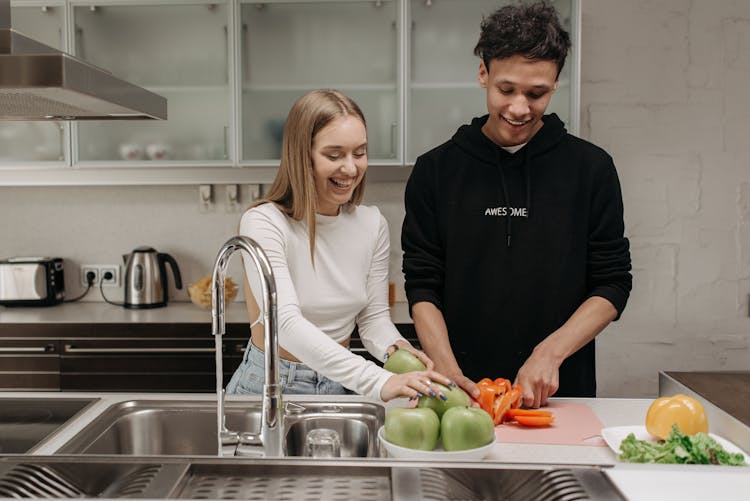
(26, 349)
(69, 348)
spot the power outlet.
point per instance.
(99, 271)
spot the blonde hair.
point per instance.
(293, 189)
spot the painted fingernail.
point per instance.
(419, 395)
(385, 357)
(432, 393)
(452, 384)
(442, 396)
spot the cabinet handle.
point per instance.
(358, 350)
(69, 348)
(27, 349)
(61, 131)
(226, 142)
(394, 129)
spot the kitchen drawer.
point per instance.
(144, 364)
(29, 364)
(33, 380)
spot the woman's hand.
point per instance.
(413, 385)
(404, 345)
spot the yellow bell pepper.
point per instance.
(686, 412)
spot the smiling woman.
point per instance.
(339, 155)
(329, 256)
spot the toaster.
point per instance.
(31, 281)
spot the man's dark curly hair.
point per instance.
(531, 30)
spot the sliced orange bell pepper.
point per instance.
(535, 420)
(513, 413)
(501, 406)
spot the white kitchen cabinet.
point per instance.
(38, 143)
(180, 50)
(442, 71)
(231, 70)
(289, 48)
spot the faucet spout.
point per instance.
(272, 419)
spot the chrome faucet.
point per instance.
(269, 442)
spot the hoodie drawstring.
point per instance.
(509, 206)
(528, 181)
(506, 199)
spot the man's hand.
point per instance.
(433, 336)
(539, 378)
(540, 374)
(465, 384)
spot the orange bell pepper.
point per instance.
(488, 391)
(517, 392)
(498, 396)
(503, 384)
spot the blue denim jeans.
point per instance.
(295, 378)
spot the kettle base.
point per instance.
(144, 306)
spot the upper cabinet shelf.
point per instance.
(231, 70)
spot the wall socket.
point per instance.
(99, 270)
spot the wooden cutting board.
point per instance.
(575, 424)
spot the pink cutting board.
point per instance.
(575, 424)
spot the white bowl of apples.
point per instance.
(439, 429)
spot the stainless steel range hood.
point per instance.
(38, 82)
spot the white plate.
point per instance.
(396, 451)
(616, 434)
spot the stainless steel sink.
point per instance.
(188, 428)
(25, 422)
(294, 480)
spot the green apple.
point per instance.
(466, 428)
(412, 428)
(456, 397)
(403, 361)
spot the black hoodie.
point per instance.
(508, 246)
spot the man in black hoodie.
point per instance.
(514, 253)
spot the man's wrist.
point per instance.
(551, 351)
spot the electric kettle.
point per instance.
(146, 278)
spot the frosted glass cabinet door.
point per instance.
(443, 91)
(35, 141)
(289, 48)
(180, 51)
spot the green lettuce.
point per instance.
(679, 448)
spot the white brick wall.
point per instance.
(664, 90)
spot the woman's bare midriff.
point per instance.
(257, 339)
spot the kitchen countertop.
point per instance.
(637, 482)
(173, 313)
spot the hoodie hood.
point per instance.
(475, 143)
(471, 139)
